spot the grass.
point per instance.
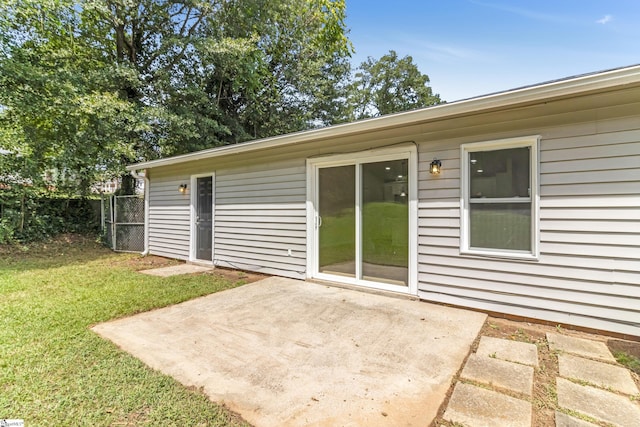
(55, 371)
(629, 361)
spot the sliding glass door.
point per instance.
(363, 221)
(337, 229)
(385, 222)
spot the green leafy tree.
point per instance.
(88, 86)
(389, 85)
(272, 59)
(62, 115)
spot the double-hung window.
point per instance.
(499, 197)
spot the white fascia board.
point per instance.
(501, 100)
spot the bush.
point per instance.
(28, 214)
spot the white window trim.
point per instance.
(408, 151)
(526, 141)
(192, 215)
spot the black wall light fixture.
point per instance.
(435, 167)
(182, 188)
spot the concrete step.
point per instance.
(564, 420)
(580, 347)
(597, 373)
(512, 351)
(499, 373)
(598, 404)
(474, 406)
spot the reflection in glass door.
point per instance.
(363, 224)
(337, 230)
(385, 222)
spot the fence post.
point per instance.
(113, 205)
(102, 224)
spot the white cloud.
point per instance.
(527, 13)
(605, 19)
(416, 46)
(442, 51)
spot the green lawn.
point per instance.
(55, 371)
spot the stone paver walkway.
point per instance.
(495, 386)
(598, 404)
(493, 365)
(580, 347)
(476, 406)
(564, 420)
(603, 375)
(512, 351)
(499, 373)
(603, 391)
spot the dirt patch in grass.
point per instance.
(50, 246)
(632, 348)
(148, 262)
(627, 353)
(238, 275)
(138, 262)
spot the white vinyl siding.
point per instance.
(169, 216)
(588, 270)
(260, 219)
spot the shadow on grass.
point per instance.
(60, 251)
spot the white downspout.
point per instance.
(136, 175)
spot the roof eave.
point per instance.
(546, 91)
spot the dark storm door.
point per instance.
(204, 218)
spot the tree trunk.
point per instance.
(22, 214)
(127, 185)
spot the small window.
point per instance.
(499, 203)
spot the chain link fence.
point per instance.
(124, 223)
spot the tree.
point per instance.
(89, 86)
(389, 85)
(48, 106)
(276, 55)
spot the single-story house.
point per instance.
(524, 202)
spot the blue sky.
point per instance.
(476, 47)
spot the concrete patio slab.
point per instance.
(598, 373)
(580, 347)
(477, 407)
(175, 270)
(598, 404)
(282, 352)
(511, 351)
(499, 373)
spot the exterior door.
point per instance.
(385, 222)
(365, 210)
(204, 218)
(337, 231)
